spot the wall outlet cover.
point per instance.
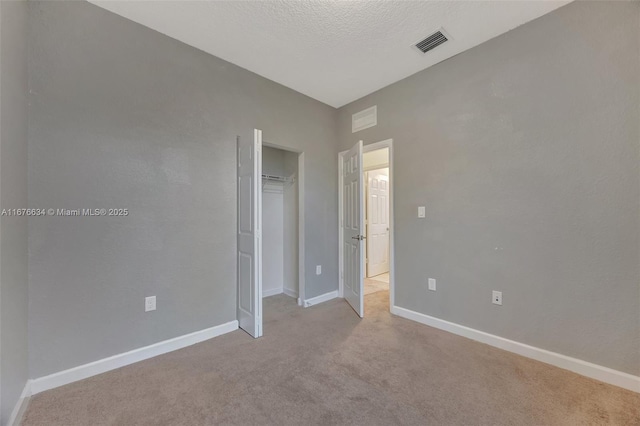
(318, 269)
(496, 297)
(149, 303)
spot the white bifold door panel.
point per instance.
(353, 228)
(250, 234)
(377, 222)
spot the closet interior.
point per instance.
(279, 222)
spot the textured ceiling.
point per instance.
(333, 51)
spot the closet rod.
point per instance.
(275, 178)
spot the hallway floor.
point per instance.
(324, 366)
(377, 283)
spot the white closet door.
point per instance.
(353, 228)
(249, 234)
(377, 222)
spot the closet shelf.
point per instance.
(274, 178)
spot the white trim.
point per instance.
(111, 363)
(291, 293)
(340, 223)
(275, 291)
(387, 143)
(272, 292)
(320, 299)
(257, 220)
(21, 406)
(584, 368)
(1, 262)
(301, 229)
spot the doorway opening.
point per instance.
(376, 217)
(284, 179)
(280, 240)
(366, 249)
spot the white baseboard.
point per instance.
(21, 406)
(272, 292)
(111, 363)
(291, 293)
(594, 371)
(320, 299)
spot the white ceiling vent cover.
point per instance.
(433, 41)
(364, 119)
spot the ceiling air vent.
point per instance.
(431, 42)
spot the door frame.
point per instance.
(301, 224)
(387, 143)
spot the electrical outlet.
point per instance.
(149, 303)
(318, 269)
(496, 297)
(432, 284)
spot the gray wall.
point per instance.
(122, 116)
(272, 161)
(527, 144)
(13, 195)
(525, 151)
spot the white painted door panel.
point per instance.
(377, 222)
(249, 234)
(353, 228)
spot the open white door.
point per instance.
(353, 228)
(250, 234)
(377, 222)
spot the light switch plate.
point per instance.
(432, 284)
(421, 211)
(318, 269)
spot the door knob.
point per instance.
(358, 237)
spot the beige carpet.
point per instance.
(324, 366)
